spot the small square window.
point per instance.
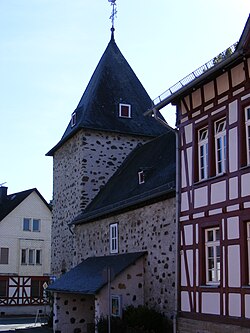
(125, 110)
(27, 224)
(116, 308)
(73, 119)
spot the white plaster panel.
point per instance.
(235, 305)
(197, 233)
(183, 171)
(198, 215)
(200, 197)
(215, 211)
(184, 202)
(234, 271)
(247, 204)
(245, 184)
(232, 208)
(190, 163)
(245, 97)
(189, 133)
(183, 272)
(197, 267)
(211, 303)
(233, 112)
(233, 149)
(233, 228)
(190, 259)
(233, 188)
(185, 304)
(188, 230)
(247, 306)
(218, 192)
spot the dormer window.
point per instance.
(125, 110)
(73, 119)
(141, 177)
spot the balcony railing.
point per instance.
(198, 72)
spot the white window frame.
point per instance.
(141, 177)
(203, 153)
(213, 257)
(128, 106)
(116, 305)
(248, 249)
(247, 126)
(28, 221)
(29, 257)
(220, 146)
(73, 119)
(39, 225)
(113, 238)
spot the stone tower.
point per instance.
(106, 126)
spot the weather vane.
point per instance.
(114, 12)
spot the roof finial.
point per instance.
(112, 17)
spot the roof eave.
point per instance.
(210, 72)
(121, 205)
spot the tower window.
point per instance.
(141, 177)
(73, 119)
(125, 110)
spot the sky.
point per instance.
(50, 48)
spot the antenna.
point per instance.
(113, 15)
(3, 184)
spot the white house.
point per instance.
(25, 250)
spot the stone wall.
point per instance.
(150, 228)
(73, 313)
(198, 326)
(81, 166)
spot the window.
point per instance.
(116, 306)
(248, 248)
(203, 153)
(31, 224)
(113, 238)
(247, 122)
(3, 288)
(125, 110)
(26, 224)
(36, 225)
(73, 119)
(141, 177)
(212, 253)
(23, 257)
(31, 257)
(38, 257)
(220, 146)
(4, 256)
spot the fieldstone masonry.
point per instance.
(81, 167)
(150, 228)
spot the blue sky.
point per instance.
(50, 48)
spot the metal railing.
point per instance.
(198, 72)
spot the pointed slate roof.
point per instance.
(89, 277)
(157, 159)
(113, 82)
(11, 201)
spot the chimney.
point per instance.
(3, 193)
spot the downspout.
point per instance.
(177, 214)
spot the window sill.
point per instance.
(199, 182)
(210, 286)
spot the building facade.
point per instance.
(114, 202)
(25, 242)
(213, 117)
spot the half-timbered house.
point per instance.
(25, 242)
(213, 117)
